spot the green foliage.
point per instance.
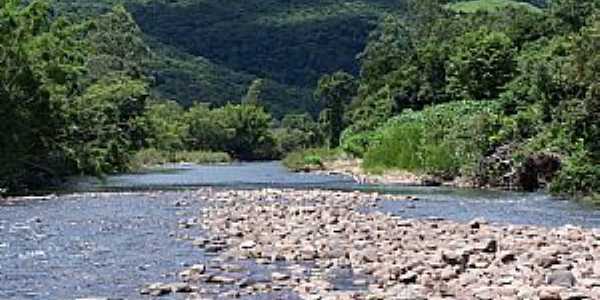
(437, 140)
(59, 114)
(357, 143)
(310, 159)
(336, 92)
(298, 132)
(148, 158)
(246, 128)
(240, 130)
(165, 126)
(211, 51)
(579, 176)
(204, 129)
(480, 65)
(490, 5)
(572, 15)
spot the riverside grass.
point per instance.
(308, 159)
(153, 157)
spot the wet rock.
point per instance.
(334, 243)
(156, 289)
(221, 279)
(476, 223)
(408, 277)
(280, 276)
(180, 287)
(245, 245)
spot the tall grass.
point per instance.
(438, 140)
(310, 159)
(153, 157)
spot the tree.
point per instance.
(205, 130)
(246, 128)
(481, 64)
(254, 93)
(298, 131)
(165, 126)
(118, 46)
(572, 15)
(41, 62)
(336, 91)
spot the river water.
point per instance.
(108, 238)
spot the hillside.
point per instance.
(210, 51)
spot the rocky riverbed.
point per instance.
(318, 244)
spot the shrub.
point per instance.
(303, 160)
(579, 176)
(443, 140)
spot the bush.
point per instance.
(579, 176)
(441, 140)
(152, 157)
(308, 159)
(357, 144)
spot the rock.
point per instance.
(455, 258)
(507, 257)
(156, 289)
(546, 260)
(484, 293)
(574, 295)
(221, 279)
(476, 223)
(180, 287)
(247, 245)
(408, 277)
(561, 278)
(279, 276)
(308, 253)
(214, 248)
(550, 293)
(526, 293)
(411, 292)
(488, 246)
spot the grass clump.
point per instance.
(437, 140)
(152, 157)
(310, 159)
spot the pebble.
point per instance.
(402, 258)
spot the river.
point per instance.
(109, 237)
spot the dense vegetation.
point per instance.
(210, 51)
(503, 94)
(75, 98)
(500, 92)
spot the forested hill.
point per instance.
(211, 50)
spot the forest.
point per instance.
(502, 93)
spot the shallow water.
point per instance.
(456, 204)
(111, 244)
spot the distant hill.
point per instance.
(211, 50)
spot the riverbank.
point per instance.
(334, 245)
(151, 159)
(352, 168)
